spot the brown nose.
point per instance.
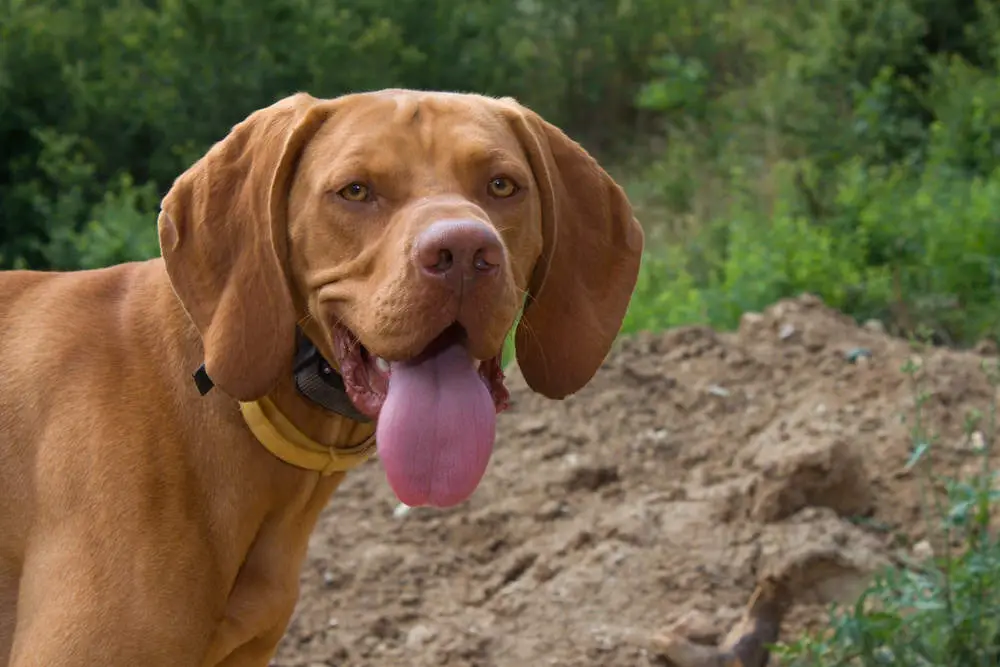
(458, 249)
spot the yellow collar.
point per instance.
(281, 437)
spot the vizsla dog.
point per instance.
(334, 273)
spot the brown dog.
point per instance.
(396, 234)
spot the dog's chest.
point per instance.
(266, 588)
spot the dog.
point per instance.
(337, 279)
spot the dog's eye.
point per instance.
(355, 192)
(502, 187)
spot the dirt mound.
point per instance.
(693, 466)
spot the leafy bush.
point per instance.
(99, 97)
(916, 250)
(854, 153)
(848, 148)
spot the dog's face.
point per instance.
(414, 219)
(405, 231)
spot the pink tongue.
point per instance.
(436, 429)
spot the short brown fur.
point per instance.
(142, 524)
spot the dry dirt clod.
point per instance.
(816, 471)
(419, 635)
(591, 478)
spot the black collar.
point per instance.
(315, 378)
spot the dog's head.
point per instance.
(410, 229)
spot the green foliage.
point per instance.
(915, 250)
(853, 153)
(119, 97)
(944, 612)
(848, 148)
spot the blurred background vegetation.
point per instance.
(845, 147)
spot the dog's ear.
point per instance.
(582, 284)
(222, 229)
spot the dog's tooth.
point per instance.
(382, 364)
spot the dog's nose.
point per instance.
(456, 249)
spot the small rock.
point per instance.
(810, 300)
(409, 599)
(786, 331)
(555, 450)
(644, 373)
(543, 572)
(550, 509)
(856, 354)
(587, 478)
(986, 348)
(657, 435)
(751, 319)
(532, 426)
(923, 550)
(617, 558)
(419, 635)
(977, 442)
(602, 642)
(876, 326)
(716, 390)
(697, 626)
(753, 325)
(383, 627)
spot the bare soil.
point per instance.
(694, 465)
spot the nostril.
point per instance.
(491, 252)
(445, 260)
(435, 258)
(484, 260)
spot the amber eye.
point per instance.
(502, 187)
(354, 192)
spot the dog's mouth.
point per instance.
(436, 413)
(366, 376)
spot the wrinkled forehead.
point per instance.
(390, 133)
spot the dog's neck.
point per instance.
(303, 420)
(305, 433)
(309, 420)
(285, 440)
(320, 382)
(315, 378)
